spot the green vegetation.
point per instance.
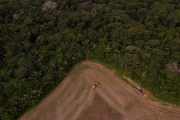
(39, 46)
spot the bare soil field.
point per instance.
(75, 99)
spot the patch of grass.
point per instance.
(113, 67)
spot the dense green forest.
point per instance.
(39, 44)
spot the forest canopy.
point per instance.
(41, 40)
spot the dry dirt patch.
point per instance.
(74, 99)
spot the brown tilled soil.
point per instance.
(74, 99)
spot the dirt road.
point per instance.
(74, 99)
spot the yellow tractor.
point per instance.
(96, 84)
